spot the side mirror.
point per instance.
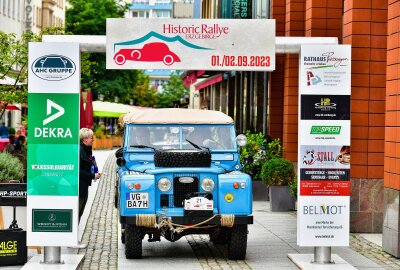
(241, 140)
(121, 161)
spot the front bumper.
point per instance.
(189, 220)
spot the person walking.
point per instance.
(85, 170)
(10, 147)
(3, 131)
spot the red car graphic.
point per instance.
(151, 52)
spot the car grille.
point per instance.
(180, 190)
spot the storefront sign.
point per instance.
(191, 44)
(53, 156)
(324, 146)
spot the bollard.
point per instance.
(322, 255)
(52, 255)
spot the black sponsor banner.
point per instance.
(325, 107)
(12, 194)
(325, 174)
(13, 250)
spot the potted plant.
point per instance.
(278, 174)
(12, 191)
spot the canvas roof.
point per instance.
(177, 116)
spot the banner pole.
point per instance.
(52, 255)
(322, 255)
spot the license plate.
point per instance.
(137, 200)
(199, 203)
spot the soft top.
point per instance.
(176, 116)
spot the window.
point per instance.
(139, 14)
(162, 13)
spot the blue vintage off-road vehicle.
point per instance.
(179, 174)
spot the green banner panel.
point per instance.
(53, 169)
(55, 119)
(51, 220)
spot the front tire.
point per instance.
(133, 242)
(237, 242)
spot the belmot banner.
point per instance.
(191, 44)
(324, 145)
(53, 153)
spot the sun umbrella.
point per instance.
(89, 110)
(82, 115)
(9, 107)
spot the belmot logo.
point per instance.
(326, 130)
(323, 209)
(53, 67)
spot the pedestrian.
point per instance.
(20, 144)
(4, 131)
(10, 147)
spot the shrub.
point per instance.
(278, 172)
(293, 188)
(100, 132)
(257, 151)
(11, 131)
(11, 168)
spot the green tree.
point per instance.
(173, 90)
(88, 17)
(13, 64)
(144, 95)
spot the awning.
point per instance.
(9, 107)
(109, 109)
(210, 81)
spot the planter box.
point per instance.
(260, 191)
(281, 198)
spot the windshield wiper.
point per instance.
(142, 146)
(196, 146)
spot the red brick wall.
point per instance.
(392, 138)
(365, 27)
(275, 124)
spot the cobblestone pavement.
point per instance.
(212, 256)
(101, 229)
(373, 252)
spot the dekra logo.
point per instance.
(50, 132)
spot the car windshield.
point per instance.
(213, 137)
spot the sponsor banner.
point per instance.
(13, 194)
(191, 44)
(327, 157)
(324, 188)
(52, 220)
(319, 132)
(54, 121)
(325, 69)
(325, 107)
(325, 174)
(55, 173)
(54, 66)
(324, 221)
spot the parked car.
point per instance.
(151, 52)
(179, 174)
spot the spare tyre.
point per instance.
(182, 158)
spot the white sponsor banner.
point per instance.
(325, 69)
(191, 44)
(325, 132)
(54, 67)
(325, 156)
(324, 221)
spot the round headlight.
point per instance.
(241, 140)
(207, 184)
(164, 184)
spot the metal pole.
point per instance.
(322, 255)
(52, 255)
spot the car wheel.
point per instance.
(136, 52)
(119, 59)
(237, 242)
(168, 60)
(133, 242)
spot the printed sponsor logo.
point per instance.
(332, 157)
(325, 107)
(53, 167)
(325, 174)
(323, 209)
(329, 130)
(53, 67)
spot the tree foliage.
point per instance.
(144, 95)
(88, 17)
(173, 90)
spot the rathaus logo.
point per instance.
(53, 67)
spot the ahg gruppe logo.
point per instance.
(53, 67)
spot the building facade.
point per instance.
(269, 102)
